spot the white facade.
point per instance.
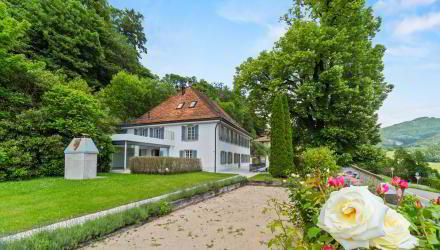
(203, 141)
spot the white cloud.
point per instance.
(273, 34)
(263, 13)
(411, 25)
(407, 51)
(394, 6)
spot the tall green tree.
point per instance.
(33, 142)
(288, 133)
(129, 96)
(331, 70)
(278, 158)
(77, 38)
(129, 23)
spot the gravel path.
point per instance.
(230, 221)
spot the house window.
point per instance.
(229, 157)
(223, 157)
(180, 106)
(190, 133)
(144, 132)
(189, 154)
(193, 104)
(236, 158)
(245, 158)
(157, 132)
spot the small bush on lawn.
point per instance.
(320, 159)
(163, 165)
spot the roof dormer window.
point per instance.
(180, 106)
(193, 104)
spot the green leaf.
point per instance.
(313, 232)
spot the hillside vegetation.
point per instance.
(423, 131)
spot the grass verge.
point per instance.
(266, 178)
(73, 237)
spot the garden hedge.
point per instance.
(163, 165)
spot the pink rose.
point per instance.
(382, 188)
(395, 181)
(340, 180)
(336, 181)
(332, 182)
(403, 184)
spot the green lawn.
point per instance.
(265, 177)
(435, 165)
(390, 154)
(27, 204)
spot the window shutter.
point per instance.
(194, 153)
(151, 132)
(182, 153)
(197, 132)
(183, 133)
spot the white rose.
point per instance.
(397, 234)
(353, 216)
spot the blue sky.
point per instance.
(209, 38)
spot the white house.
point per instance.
(190, 125)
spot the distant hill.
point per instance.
(422, 131)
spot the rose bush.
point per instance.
(323, 214)
(353, 216)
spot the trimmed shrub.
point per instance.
(163, 165)
(279, 164)
(321, 158)
(288, 133)
(432, 182)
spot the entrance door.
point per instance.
(155, 152)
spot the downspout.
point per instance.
(215, 147)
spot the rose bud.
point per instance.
(436, 201)
(327, 247)
(340, 181)
(419, 204)
(332, 182)
(395, 181)
(403, 184)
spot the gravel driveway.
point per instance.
(231, 221)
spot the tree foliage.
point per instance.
(331, 71)
(129, 23)
(34, 140)
(279, 163)
(288, 132)
(318, 159)
(407, 164)
(53, 55)
(78, 39)
(129, 96)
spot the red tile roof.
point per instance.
(167, 111)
